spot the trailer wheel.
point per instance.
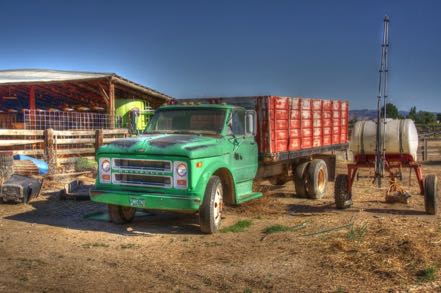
(299, 179)
(317, 175)
(430, 196)
(121, 215)
(343, 199)
(210, 211)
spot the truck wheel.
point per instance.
(343, 199)
(430, 196)
(299, 179)
(317, 175)
(121, 215)
(210, 211)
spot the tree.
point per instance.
(425, 117)
(412, 113)
(391, 111)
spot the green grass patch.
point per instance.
(276, 229)
(357, 233)
(95, 244)
(428, 274)
(83, 164)
(240, 226)
(127, 246)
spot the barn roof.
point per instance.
(37, 76)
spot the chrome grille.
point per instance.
(140, 164)
(142, 180)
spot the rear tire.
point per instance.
(210, 212)
(317, 175)
(299, 179)
(343, 199)
(430, 194)
(121, 215)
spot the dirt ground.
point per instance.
(49, 246)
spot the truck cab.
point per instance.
(190, 159)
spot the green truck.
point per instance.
(196, 156)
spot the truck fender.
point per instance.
(211, 170)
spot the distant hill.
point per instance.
(366, 114)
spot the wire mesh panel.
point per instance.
(57, 120)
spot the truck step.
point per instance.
(248, 197)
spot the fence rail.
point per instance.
(57, 146)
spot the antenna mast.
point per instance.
(382, 97)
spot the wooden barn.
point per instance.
(60, 116)
(41, 99)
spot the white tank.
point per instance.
(401, 137)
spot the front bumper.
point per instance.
(150, 201)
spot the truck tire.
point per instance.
(317, 174)
(210, 211)
(299, 179)
(121, 215)
(343, 198)
(430, 195)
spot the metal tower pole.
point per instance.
(382, 97)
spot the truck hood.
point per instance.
(187, 145)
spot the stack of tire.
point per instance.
(6, 166)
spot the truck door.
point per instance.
(244, 149)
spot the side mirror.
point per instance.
(250, 123)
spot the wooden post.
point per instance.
(99, 138)
(111, 107)
(32, 105)
(425, 153)
(50, 151)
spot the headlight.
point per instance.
(105, 166)
(181, 169)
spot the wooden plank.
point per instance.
(75, 140)
(76, 151)
(73, 159)
(24, 132)
(111, 139)
(17, 142)
(74, 132)
(36, 152)
(116, 131)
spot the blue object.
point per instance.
(41, 165)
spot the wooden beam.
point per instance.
(111, 107)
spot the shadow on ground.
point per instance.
(91, 216)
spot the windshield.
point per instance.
(203, 121)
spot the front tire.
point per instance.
(121, 215)
(210, 211)
(430, 195)
(343, 198)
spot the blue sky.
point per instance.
(234, 48)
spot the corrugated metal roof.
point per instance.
(23, 76)
(41, 75)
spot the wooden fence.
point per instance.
(57, 146)
(429, 149)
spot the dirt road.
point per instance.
(49, 246)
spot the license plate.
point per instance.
(136, 202)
